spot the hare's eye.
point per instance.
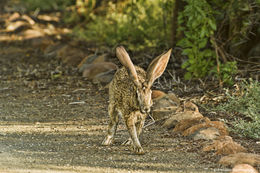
(144, 88)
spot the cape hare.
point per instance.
(130, 96)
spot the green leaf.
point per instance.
(187, 51)
(187, 76)
(185, 64)
(203, 43)
(203, 31)
(212, 25)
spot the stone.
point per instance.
(164, 104)
(157, 94)
(189, 106)
(244, 168)
(240, 158)
(28, 19)
(210, 133)
(13, 17)
(187, 123)
(51, 50)
(91, 59)
(70, 55)
(174, 119)
(104, 77)
(31, 34)
(224, 145)
(17, 26)
(95, 69)
(42, 43)
(215, 124)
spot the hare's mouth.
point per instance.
(145, 110)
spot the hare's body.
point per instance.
(130, 96)
(119, 91)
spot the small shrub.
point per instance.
(138, 24)
(200, 25)
(226, 72)
(247, 104)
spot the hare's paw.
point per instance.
(108, 140)
(128, 142)
(139, 150)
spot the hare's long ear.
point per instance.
(125, 60)
(157, 67)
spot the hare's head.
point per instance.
(143, 88)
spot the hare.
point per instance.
(130, 96)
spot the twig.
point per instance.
(77, 103)
(151, 123)
(217, 59)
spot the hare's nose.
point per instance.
(147, 110)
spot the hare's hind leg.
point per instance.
(114, 119)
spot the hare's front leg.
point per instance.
(114, 119)
(139, 127)
(131, 122)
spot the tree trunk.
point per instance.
(178, 6)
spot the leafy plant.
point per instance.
(225, 72)
(246, 103)
(138, 24)
(199, 26)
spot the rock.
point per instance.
(17, 26)
(187, 123)
(104, 78)
(210, 133)
(157, 94)
(48, 18)
(224, 146)
(165, 101)
(13, 17)
(174, 119)
(91, 59)
(28, 19)
(164, 104)
(51, 50)
(42, 42)
(215, 124)
(189, 106)
(100, 58)
(70, 55)
(31, 33)
(240, 158)
(244, 168)
(93, 70)
(191, 111)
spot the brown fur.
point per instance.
(121, 90)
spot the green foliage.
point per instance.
(226, 72)
(136, 24)
(83, 9)
(248, 104)
(46, 5)
(199, 26)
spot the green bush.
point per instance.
(136, 24)
(198, 26)
(247, 104)
(226, 72)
